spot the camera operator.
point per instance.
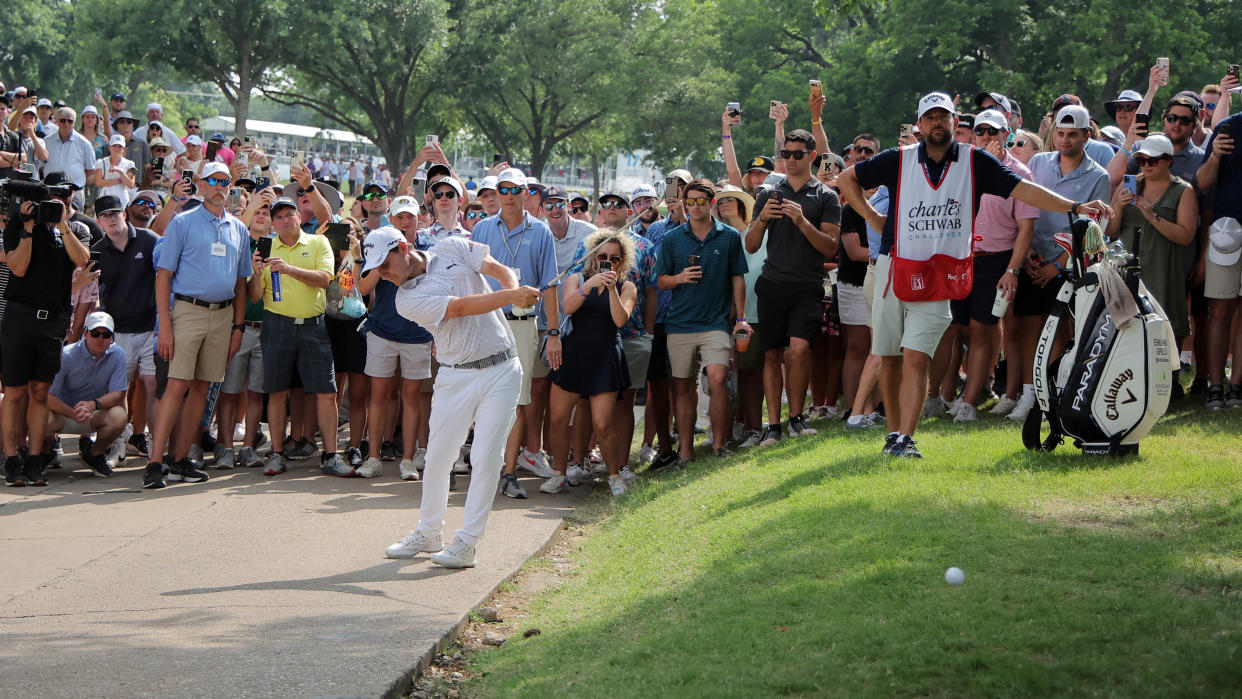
(66, 191)
(42, 248)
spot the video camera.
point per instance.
(48, 211)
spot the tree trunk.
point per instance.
(242, 107)
(595, 192)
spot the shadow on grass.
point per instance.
(850, 600)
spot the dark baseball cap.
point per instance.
(59, 179)
(762, 163)
(281, 202)
(107, 203)
(554, 192)
(117, 96)
(967, 120)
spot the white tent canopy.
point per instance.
(257, 126)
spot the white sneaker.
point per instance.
(1024, 406)
(413, 544)
(371, 468)
(753, 437)
(1003, 406)
(536, 463)
(239, 432)
(933, 407)
(627, 475)
(966, 413)
(576, 475)
(617, 485)
(420, 459)
(555, 485)
(409, 470)
(647, 454)
(225, 456)
(459, 554)
(115, 456)
(460, 466)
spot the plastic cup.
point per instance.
(1001, 304)
(743, 340)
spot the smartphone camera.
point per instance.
(605, 266)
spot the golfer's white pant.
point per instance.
(488, 399)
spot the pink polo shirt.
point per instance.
(997, 220)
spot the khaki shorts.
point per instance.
(526, 333)
(686, 351)
(79, 428)
(200, 342)
(638, 355)
(869, 289)
(1222, 282)
(541, 363)
(896, 324)
(383, 355)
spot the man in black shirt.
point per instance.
(922, 182)
(37, 314)
(801, 219)
(63, 189)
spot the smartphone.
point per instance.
(213, 147)
(907, 130)
(1225, 130)
(735, 110)
(297, 160)
(261, 183)
(1233, 70)
(95, 257)
(693, 261)
(605, 266)
(671, 187)
(1142, 119)
(187, 175)
(772, 109)
(1130, 184)
(338, 236)
(98, 92)
(817, 88)
(248, 141)
(265, 247)
(432, 139)
(1164, 65)
(158, 163)
(497, 158)
(235, 197)
(420, 189)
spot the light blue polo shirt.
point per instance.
(1087, 182)
(82, 377)
(187, 253)
(530, 248)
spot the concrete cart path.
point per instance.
(241, 586)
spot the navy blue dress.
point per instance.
(594, 361)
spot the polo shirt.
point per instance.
(884, 169)
(568, 249)
(436, 232)
(73, 157)
(529, 248)
(50, 274)
(82, 377)
(127, 280)
(656, 233)
(1099, 151)
(188, 242)
(791, 257)
(704, 305)
(879, 202)
(1229, 176)
(1086, 182)
(996, 224)
(299, 299)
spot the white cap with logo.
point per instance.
(935, 100)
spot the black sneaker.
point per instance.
(208, 443)
(664, 460)
(890, 442)
(355, 457)
(97, 463)
(388, 451)
(138, 443)
(1215, 398)
(153, 477)
(185, 471)
(33, 468)
(907, 449)
(1178, 393)
(1233, 396)
(1198, 387)
(14, 475)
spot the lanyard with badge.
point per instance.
(504, 238)
(217, 248)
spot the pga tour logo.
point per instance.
(916, 282)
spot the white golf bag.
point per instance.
(1112, 383)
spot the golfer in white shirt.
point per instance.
(444, 291)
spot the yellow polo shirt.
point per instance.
(299, 300)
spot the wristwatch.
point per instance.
(1074, 209)
(98, 405)
(1013, 271)
(554, 332)
(239, 326)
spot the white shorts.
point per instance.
(139, 352)
(383, 356)
(896, 324)
(852, 305)
(1220, 282)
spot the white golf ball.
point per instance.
(954, 576)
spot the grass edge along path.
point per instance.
(816, 568)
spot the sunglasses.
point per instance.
(304, 192)
(193, 127)
(1173, 119)
(372, 196)
(553, 205)
(698, 201)
(144, 202)
(795, 154)
(107, 334)
(512, 190)
(579, 209)
(863, 149)
(986, 130)
(217, 181)
(445, 194)
(1019, 144)
(476, 214)
(611, 258)
(612, 204)
(1129, 107)
(1210, 106)
(533, 191)
(64, 121)
(1144, 161)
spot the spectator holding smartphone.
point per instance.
(1222, 169)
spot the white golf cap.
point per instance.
(378, 244)
(116, 140)
(643, 190)
(193, 140)
(1155, 146)
(1072, 116)
(1226, 237)
(99, 319)
(450, 181)
(935, 100)
(488, 182)
(44, 102)
(214, 169)
(512, 176)
(404, 204)
(992, 117)
(89, 109)
(154, 105)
